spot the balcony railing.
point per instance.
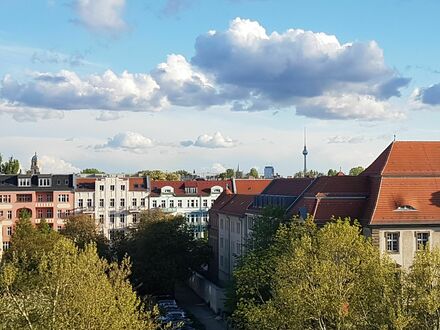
(44, 204)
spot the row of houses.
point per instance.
(114, 201)
(396, 200)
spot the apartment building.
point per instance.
(114, 201)
(41, 196)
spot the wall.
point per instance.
(212, 294)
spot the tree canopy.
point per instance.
(356, 170)
(161, 175)
(11, 166)
(253, 173)
(91, 171)
(309, 174)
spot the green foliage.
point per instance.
(253, 173)
(331, 278)
(12, 166)
(82, 230)
(309, 174)
(91, 171)
(70, 289)
(162, 176)
(332, 172)
(356, 170)
(163, 251)
(228, 174)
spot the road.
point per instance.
(187, 299)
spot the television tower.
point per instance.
(305, 153)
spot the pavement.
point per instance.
(187, 299)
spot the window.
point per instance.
(59, 228)
(135, 218)
(212, 202)
(89, 203)
(49, 198)
(44, 182)
(123, 187)
(238, 226)
(422, 240)
(142, 201)
(40, 213)
(64, 198)
(221, 261)
(392, 240)
(122, 218)
(112, 219)
(222, 223)
(134, 202)
(192, 203)
(112, 187)
(24, 182)
(49, 213)
(58, 182)
(191, 190)
(5, 199)
(122, 202)
(59, 214)
(9, 230)
(154, 204)
(101, 202)
(205, 203)
(39, 198)
(238, 248)
(112, 202)
(22, 198)
(80, 202)
(163, 204)
(101, 219)
(66, 182)
(9, 214)
(406, 208)
(1, 213)
(222, 243)
(101, 187)
(172, 203)
(6, 245)
(179, 203)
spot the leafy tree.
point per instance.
(309, 174)
(172, 176)
(12, 166)
(332, 172)
(163, 251)
(332, 278)
(83, 230)
(356, 170)
(253, 173)
(422, 290)
(91, 171)
(71, 289)
(230, 173)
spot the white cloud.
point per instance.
(217, 140)
(128, 141)
(26, 114)
(49, 164)
(65, 90)
(218, 168)
(108, 116)
(101, 15)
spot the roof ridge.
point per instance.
(388, 158)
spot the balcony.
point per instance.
(169, 209)
(44, 204)
(134, 209)
(48, 220)
(87, 210)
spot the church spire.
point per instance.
(305, 152)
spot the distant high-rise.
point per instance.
(269, 172)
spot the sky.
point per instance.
(204, 85)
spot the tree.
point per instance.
(163, 251)
(309, 174)
(332, 172)
(253, 173)
(91, 171)
(172, 176)
(356, 170)
(332, 278)
(12, 166)
(82, 230)
(228, 174)
(71, 289)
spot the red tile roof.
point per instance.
(233, 204)
(402, 158)
(137, 184)
(421, 193)
(250, 186)
(203, 187)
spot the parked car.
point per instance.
(166, 302)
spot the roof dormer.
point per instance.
(167, 190)
(216, 190)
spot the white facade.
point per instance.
(112, 203)
(193, 205)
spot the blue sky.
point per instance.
(125, 85)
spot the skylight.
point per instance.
(406, 208)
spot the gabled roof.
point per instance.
(407, 158)
(235, 204)
(250, 186)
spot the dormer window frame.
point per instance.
(24, 182)
(405, 208)
(166, 190)
(44, 182)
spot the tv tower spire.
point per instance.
(305, 153)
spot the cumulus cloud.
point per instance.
(217, 140)
(104, 16)
(54, 165)
(245, 68)
(128, 141)
(427, 96)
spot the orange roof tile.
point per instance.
(250, 186)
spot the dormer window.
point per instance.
(24, 182)
(216, 190)
(405, 208)
(44, 182)
(167, 190)
(191, 190)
